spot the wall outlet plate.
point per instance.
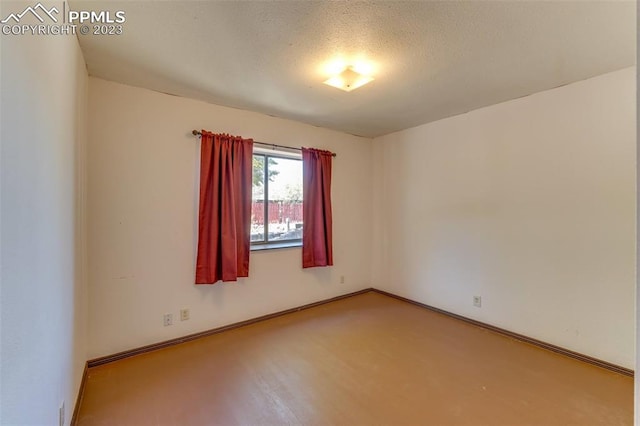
(168, 319)
(477, 301)
(184, 314)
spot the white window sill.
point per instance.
(278, 245)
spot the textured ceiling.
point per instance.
(431, 59)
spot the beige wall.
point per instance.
(529, 204)
(142, 212)
(43, 294)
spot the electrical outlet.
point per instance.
(477, 301)
(184, 314)
(61, 414)
(168, 319)
(341, 279)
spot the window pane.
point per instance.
(285, 199)
(257, 204)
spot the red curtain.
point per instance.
(225, 208)
(317, 241)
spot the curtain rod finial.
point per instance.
(195, 132)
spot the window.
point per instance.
(276, 209)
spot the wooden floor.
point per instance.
(366, 360)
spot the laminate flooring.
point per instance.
(365, 360)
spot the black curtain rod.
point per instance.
(273, 145)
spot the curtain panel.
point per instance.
(224, 221)
(317, 239)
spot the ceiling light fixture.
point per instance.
(348, 80)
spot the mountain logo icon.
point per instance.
(34, 11)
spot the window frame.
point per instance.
(265, 244)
